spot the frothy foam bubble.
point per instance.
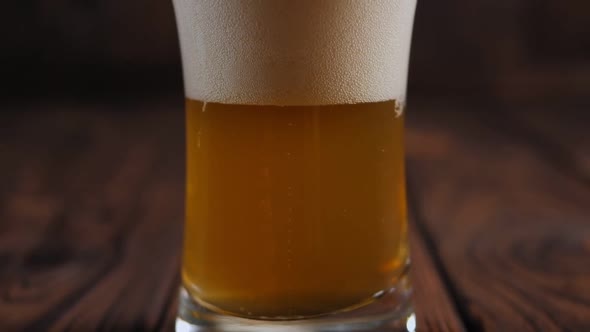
(285, 52)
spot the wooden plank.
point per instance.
(560, 133)
(435, 310)
(511, 229)
(90, 232)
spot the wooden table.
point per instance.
(91, 215)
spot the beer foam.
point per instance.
(285, 52)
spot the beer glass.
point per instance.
(295, 186)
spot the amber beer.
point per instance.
(296, 210)
(295, 188)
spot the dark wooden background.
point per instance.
(91, 165)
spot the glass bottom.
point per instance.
(390, 309)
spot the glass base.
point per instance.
(390, 310)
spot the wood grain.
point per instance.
(510, 223)
(435, 310)
(559, 133)
(90, 222)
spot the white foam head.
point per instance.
(286, 52)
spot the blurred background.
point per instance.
(516, 51)
(92, 155)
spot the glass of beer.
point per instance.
(295, 187)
